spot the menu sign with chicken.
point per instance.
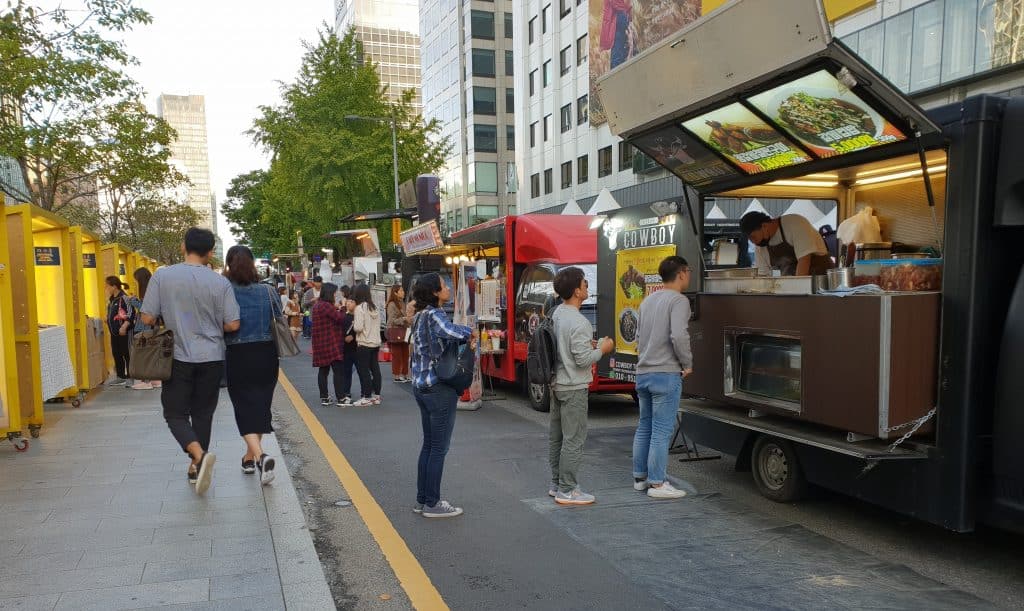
(826, 116)
(682, 155)
(741, 136)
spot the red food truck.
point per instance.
(529, 249)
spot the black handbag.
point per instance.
(455, 365)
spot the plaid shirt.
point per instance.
(327, 334)
(431, 330)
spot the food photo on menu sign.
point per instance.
(740, 135)
(682, 155)
(826, 116)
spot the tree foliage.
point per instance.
(70, 114)
(325, 164)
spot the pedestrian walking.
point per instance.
(283, 293)
(348, 350)
(431, 332)
(121, 317)
(142, 277)
(367, 327)
(198, 305)
(252, 360)
(577, 352)
(311, 294)
(663, 341)
(327, 338)
(294, 314)
(398, 326)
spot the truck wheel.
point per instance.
(776, 470)
(540, 396)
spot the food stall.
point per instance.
(896, 394)
(11, 426)
(41, 278)
(90, 310)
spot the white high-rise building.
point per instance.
(189, 154)
(389, 31)
(468, 67)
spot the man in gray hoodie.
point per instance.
(663, 340)
(577, 353)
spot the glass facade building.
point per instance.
(189, 155)
(389, 31)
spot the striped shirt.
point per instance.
(431, 331)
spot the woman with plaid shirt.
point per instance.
(431, 331)
(328, 334)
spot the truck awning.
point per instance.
(538, 238)
(759, 91)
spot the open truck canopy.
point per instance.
(539, 238)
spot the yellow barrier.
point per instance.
(41, 290)
(10, 411)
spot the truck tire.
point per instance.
(540, 396)
(776, 470)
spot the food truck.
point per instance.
(529, 249)
(907, 397)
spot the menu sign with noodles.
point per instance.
(822, 113)
(740, 135)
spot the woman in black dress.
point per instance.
(251, 360)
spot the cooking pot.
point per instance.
(840, 278)
(819, 283)
(873, 250)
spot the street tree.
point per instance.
(326, 163)
(243, 210)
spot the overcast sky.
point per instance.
(234, 52)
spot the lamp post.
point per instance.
(394, 145)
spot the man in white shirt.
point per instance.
(789, 244)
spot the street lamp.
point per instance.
(394, 144)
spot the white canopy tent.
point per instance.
(605, 202)
(572, 209)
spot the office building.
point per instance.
(189, 155)
(389, 32)
(941, 51)
(468, 86)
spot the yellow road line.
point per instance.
(410, 573)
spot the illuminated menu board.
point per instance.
(740, 135)
(826, 116)
(684, 156)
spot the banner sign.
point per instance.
(421, 238)
(89, 260)
(47, 255)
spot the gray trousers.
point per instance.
(567, 436)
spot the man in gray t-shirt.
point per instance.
(198, 305)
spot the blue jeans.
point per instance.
(659, 395)
(437, 412)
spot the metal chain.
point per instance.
(916, 424)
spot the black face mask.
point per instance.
(763, 243)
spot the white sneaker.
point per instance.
(641, 485)
(364, 402)
(665, 491)
(376, 399)
(205, 475)
(552, 490)
(142, 386)
(576, 497)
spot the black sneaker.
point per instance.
(325, 401)
(248, 466)
(193, 475)
(266, 465)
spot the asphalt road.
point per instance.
(724, 546)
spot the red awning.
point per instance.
(552, 238)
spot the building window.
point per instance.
(509, 64)
(533, 80)
(485, 177)
(582, 108)
(510, 137)
(625, 156)
(485, 138)
(566, 118)
(535, 185)
(548, 186)
(484, 101)
(479, 214)
(483, 62)
(547, 73)
(566, 174)
(604, 162)
(566, 6)
(581, 50)
(508, 25)
(531, 27)
(533, 134)
(547, 127)
(482, 24)
(510, 100)
(544, 19)
(582, 169)
(563, 60)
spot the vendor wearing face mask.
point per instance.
(789, 244)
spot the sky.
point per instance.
(234, 52)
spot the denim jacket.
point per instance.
(257, 305)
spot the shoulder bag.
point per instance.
(455, 365)
(280, 332)
(151, 354)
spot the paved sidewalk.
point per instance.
(98, 515)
